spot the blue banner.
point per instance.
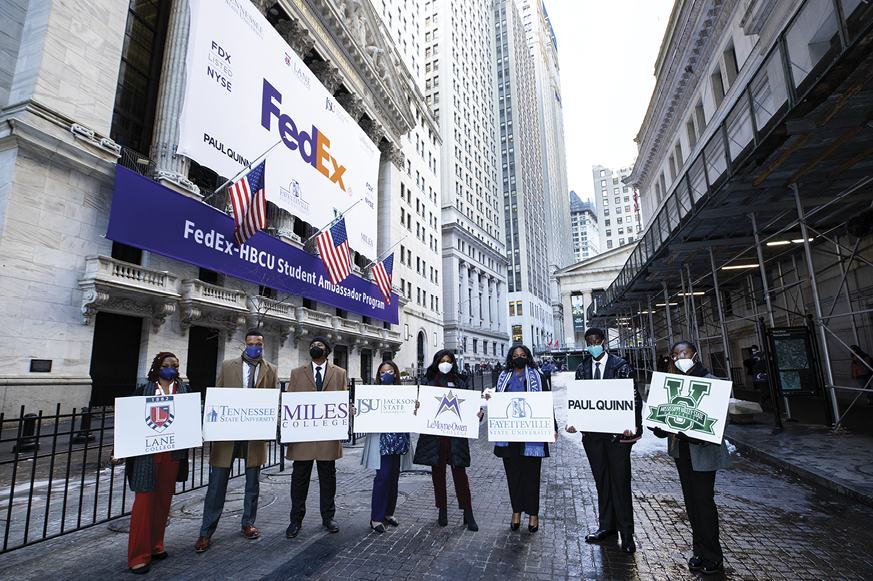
(147, 215)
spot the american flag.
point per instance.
(247, 195)
(333, 245)
(382, 272)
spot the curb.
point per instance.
(813, 477)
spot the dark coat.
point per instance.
(140, 470)
(617, 368)
(427, 451)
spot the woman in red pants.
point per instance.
(153, 477)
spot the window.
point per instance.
(518, 307)
(717, 86)
(609, 243)
(730, 64)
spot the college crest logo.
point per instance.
(518, 408)
(159, 412)
(449, 402)
(681, 410)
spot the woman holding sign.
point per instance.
(697, 462)
(387, 454)
(153, 477)
(439, 451)
(522, 461)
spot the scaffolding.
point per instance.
(753, 237)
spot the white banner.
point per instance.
(601, 405)
(521, 417)
(313, 416)
(385, 408)
(245, 91)
(448, 411)
(694, 405)
(161, 423)
(232, 414)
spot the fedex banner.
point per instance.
(153, 217)
(245, 91)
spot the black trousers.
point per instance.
(611, 466)
(300, 474)
(698, 490)
(523, 477)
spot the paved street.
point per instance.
(773, 527)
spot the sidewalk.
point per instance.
(838, 460)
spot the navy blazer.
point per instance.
(617, 368)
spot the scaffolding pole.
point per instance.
(724, 338)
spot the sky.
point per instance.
(606, 52)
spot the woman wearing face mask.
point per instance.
(387, 454)
(697, 463)
(522, 461)
(153, 477)
(438, 451)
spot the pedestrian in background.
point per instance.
(609, 454)
(388, 454)
(248, 371)
(440, 451)
(153, 477)
(697, 462)
(862, 371)
(522, 461)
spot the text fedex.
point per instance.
(313, 146)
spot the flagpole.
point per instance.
(341, 216)
(384, 254)
(246, 168)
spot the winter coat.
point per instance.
(140, 470)
(617, 368)
(372, 456)
(303, 380)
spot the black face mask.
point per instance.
(520, 362)
(316, 352)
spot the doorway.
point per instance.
(202, 358)
(341, 357)
(114, 357)
(366, 366)
(422, 341)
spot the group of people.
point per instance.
(152, 477)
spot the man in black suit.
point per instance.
(609, 454)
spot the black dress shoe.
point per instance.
(378, 528)
(443, 518)
(695, 562)
(514, 526)
(330, 525)
(600, 535)
(393, 522)
(627, 544)
(710, 568)
(161, 556)
(142, 570)
(293, 529)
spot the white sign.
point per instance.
(683, 403)
(153, 424)
(521, 417)
(233, 414)
(313, 416)
(448, 411)
(247, 90)
(385, 408)
(601, 405)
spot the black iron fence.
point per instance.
(56, 477)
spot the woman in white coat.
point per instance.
(387, 454)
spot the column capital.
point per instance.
(393, 152)
(353, 105)
(373, 130)
(297, 37)
(328, 74)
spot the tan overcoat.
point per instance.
(303, 380)
(231, 375)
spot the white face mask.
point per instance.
(684, 365)
(445, 367)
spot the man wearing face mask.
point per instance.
(250, 371)
(609, 454)
(317, 375)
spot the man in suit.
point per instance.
(609, 454)
(317, 375)
(247, 372)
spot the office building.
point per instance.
(586, 234)
(618, 212)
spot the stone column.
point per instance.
(463, 303)
(499, 300)
(477, 298)
(492, 306)
(569, 335)
(172, 169)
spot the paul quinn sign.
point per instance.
(601, 405)
(148, 425)
(521, 417)
(694, 405)
(313, 416)
(232, 414)
(385, 408)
